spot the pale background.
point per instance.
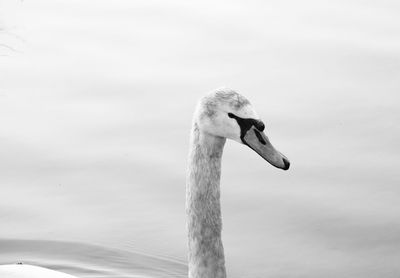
(96, 99)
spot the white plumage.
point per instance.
(30, 271)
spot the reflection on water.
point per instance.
(86, 260)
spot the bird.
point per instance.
(219, 115)
(30, 271)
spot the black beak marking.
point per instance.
(245, 124)
(259, 125)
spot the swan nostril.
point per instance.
(286, 163)
(259, 137)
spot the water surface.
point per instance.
(96, 101)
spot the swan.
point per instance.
(30, 271)
(219, 115)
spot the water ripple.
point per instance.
(87, 260)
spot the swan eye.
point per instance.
(248, 122)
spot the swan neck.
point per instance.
(206, 254)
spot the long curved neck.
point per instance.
(206, 253)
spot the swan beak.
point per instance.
(259, 142)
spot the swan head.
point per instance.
(226, 113)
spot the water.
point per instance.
(89, 260)
(96, 102)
